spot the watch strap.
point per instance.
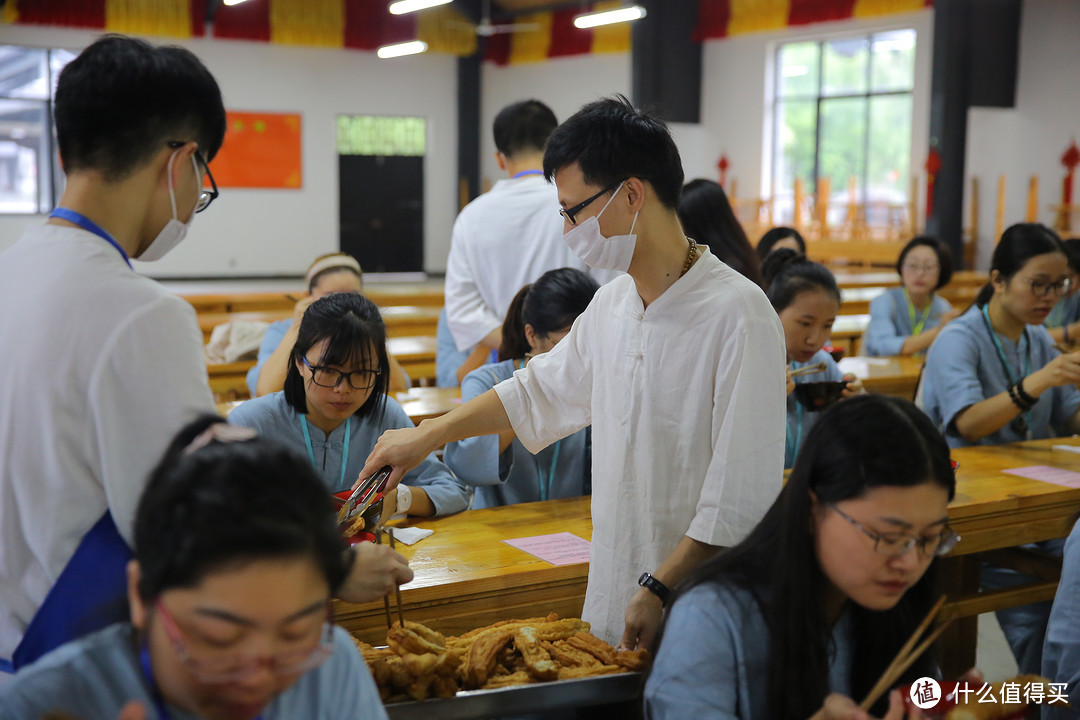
(656, 587)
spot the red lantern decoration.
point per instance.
(932, 166)
(723, 165)
(1070, 160)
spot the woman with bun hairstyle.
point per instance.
(779, 238)
(498, 466)
(906, 320)
(807, 299)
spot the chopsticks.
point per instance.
(809, 370)
(907, 655)
(397, 591)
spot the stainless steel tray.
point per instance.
(523, 699)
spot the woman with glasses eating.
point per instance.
(801, 618)
(905, 320)
(237, 555)
(335, 406)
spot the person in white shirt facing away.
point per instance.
(678, 365)
(507, 237)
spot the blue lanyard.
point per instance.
(523, 173)
(1004, 362)
(90, 226)
(792, 444)
(545, 486)
(344, 453)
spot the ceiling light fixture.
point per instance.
(399, 49)
(407, 6)
(234, 2)
(607, 17)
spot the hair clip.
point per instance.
(221, 432)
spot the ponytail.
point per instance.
(514, 343)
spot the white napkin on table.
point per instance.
(410, 535)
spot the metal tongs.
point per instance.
(363, 496)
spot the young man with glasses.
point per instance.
(678, 366)
(104, 364)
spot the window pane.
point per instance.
(844, 66)
(797, 65)
(24, 157)
(22, 72)
(842, 153)
(893, 61)
(57, 60)
(890, 149)
(794, 151)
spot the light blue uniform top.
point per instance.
(275, 333)
(963, 368)
(799, 419)
(94, 677)
(713, 663)
(272, 417)
(890, 321)
(560, 470)
(1061, 653)
(447, 357)
(1066, 311)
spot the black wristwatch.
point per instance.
(656, 587)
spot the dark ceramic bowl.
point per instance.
(816, 396)
(836, 352)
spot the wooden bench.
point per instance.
(847, 331)
(405, 320)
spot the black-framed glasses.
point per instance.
(1042, 288)
(570, 213)
(895, 544)
(328, 377)
(205, 196)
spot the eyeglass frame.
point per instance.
(1060, 287)
(570, 213)
(921, 269)
(205, 196)
(246, 665)
(947, 539)
(341, 376)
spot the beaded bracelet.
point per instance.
(1028, 400)
(1015, 397)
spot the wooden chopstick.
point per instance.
(808, 370)
(908, 654)
(397, 588)
(385, 598)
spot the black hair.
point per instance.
(227, 503)
(944, 256)
(775, 235)
(1019, 243)
(550, 304)
(356, 334)
(706, 216)
(1072, 250)
(862, 443)
(523, 127)
(122, 100)
(612, 141)
(787, 274)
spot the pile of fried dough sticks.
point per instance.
(419, 663)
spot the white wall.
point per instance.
(1030, 138)
(263, 232)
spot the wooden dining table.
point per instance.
(466, 576)
(895, 376)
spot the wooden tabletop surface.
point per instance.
(423, 403)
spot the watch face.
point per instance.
(643, 579)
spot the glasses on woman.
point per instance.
(1043, 288)
(220, 667)
(328, 377)
(920, 269)
(895, 544)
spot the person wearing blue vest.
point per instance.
(905, 320)
(237, 557)
(335, 406)
(807, 299)
(994, 376)
(501, 469)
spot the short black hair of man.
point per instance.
(122, 100)
(523, 127)
(611, 141)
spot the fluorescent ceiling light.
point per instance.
(407, 6)
(406, 48)
(634, 12)
(234, 2)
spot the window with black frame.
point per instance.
(30, 176)
(842, 109)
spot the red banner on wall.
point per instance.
(261, 150)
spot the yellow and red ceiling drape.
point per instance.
(170, 18)
(554, 35)
(724, 18)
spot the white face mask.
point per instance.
(597, 251)
(174, 230)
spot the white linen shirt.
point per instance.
(686, 399)
(502, 240)
(103, 367)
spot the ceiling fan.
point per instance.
(485, 28)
